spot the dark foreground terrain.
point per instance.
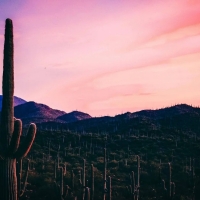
(167, 145)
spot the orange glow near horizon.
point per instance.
(105, 57)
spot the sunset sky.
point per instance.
(105, 57)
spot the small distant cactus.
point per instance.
(92, 182)
(83, 179)
(55, 169)
(133, 188)
(72, 180)
(170, 190)
(104, 176)
(59, 188)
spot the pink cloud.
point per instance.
(100, 57)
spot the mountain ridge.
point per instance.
(74, 116)
(40, 113)
(17, 101)
(162, 112)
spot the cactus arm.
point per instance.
(14, 143)
(25, 179)
(25, 147)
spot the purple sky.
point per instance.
(105, 57)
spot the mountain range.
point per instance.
(40, 113)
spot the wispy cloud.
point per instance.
(103, 56)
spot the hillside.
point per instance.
(179, 116)
(17, 101)
(37, 113)
(74, 116)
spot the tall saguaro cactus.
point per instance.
(92, 182)
(83, 179)
(10, 129)
(104, 175)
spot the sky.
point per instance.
(105, 57)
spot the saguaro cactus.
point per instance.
(59, 188)
(109, 188)
(170, 180)
(11, 129)
(132, 188)
(21, 188)
(83, 179)
(55, 169)
(170, 191)
(72, 180)
(133, 185)
(104, 175)
(92, 182)
(87, 193)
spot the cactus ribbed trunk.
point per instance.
(133, 185)
(72, 180)
(61, 181)
(10, 129)
(109, 188)
(92, 182)
(138, 171)
(19, 176)
(83, 177)
(8, 179)
(104, 175)
(8, 85)
(170, 176)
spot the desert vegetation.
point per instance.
(142, 163)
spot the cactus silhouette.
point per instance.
(11, 128)
(59, 188)
(20, 183)
(92, 182)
